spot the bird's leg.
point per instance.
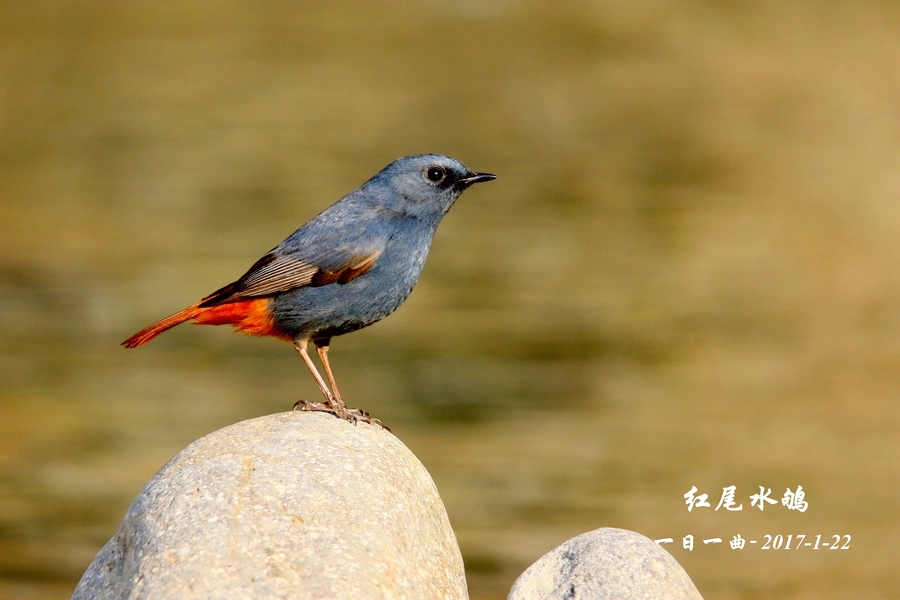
(355, 413)
(322, 349)
(300, 346)
(333, 401)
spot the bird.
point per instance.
(350, 266)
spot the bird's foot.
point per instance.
(338, 409)
(311, 406)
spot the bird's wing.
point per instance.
(336, 247)
(275, 273)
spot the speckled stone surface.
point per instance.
(292, 505)
(605, 564)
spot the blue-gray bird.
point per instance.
(347, 268)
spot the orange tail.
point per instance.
(148, 333)
(249, 316)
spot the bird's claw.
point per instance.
(352, 415)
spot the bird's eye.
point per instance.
(435, 174)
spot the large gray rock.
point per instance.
(293, 505)
(605, 564)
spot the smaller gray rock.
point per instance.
(295, 505)
(605, 564)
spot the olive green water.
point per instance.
(687, 274)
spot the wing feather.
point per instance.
(273, 274)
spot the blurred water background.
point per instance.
(687, 274)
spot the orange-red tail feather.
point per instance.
(148, 333)
(249, 316)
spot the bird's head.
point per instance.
(424, 185)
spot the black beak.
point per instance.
(477, 178)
